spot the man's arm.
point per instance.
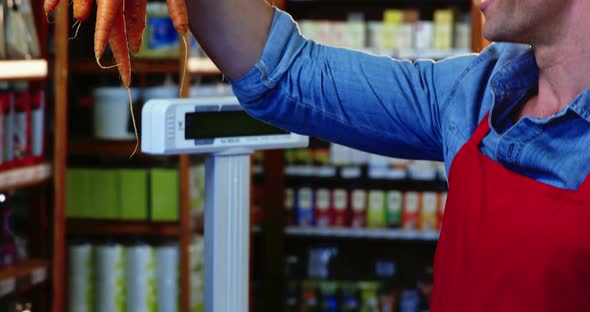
(232, 32)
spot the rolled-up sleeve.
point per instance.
(373, 103)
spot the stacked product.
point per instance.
(21, 124)
(114, 277)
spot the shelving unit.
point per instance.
(66, 146)
(24, 177)
(23, 275)
(31, 275)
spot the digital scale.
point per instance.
(219, 127)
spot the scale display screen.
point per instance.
(209, 125)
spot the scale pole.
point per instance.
(227, 232)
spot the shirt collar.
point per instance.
(520, 76)
(581, 105)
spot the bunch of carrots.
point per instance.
(121, 23)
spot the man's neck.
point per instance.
(564, 73)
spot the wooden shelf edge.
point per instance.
(118, 227)
(195, 66)
(96, 146)
(23, 69)
(23, 177)
(23, 274)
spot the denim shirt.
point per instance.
(416, 110)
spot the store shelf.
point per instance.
(117, 227)
(13, 179)
(196, 66)
(23, 275)
(386, 234)
(356, 176)
(91, 146)
(23, 69)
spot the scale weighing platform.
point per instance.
(220, 128)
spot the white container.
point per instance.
(160, 92)
(112, 118)
(140, 273)
(167, 261)
(110, 279)
(81, 294)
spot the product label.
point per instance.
(429, 202)
(20, 135)
(376, 214)
(340, 199)
(411, 217)
(429, 211)
(305, 199)
(376, 200)
(289, 199)
(394, 208)
(322, 199)
(305, 215)
(37, 132)
(394, 202)
(411, 202)
(359, 200)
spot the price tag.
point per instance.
(38, 276)
(7, 286)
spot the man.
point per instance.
(512, 125)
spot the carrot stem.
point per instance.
(105, 67)
(185, 61)
(134, 124)
(77, 29)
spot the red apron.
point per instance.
(508, 242)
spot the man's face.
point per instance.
(523, 21)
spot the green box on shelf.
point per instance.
(133, 194)
(78, 183)
(164, 195)
(105, 194)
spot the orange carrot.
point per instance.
(82, 9)
(135, 12)
(118, 44)
(49, 5)
(106, 13)
(178, 14)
